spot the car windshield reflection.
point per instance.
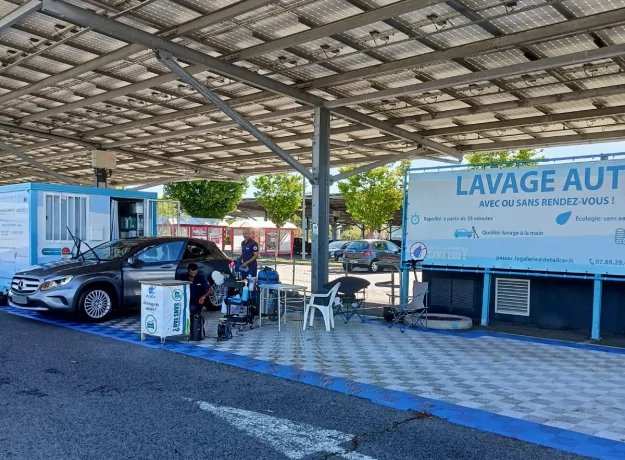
(108, 251)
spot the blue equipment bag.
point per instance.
(267, 275)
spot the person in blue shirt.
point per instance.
(199, 289)
(249, 254)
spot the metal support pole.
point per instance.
(320, 198)
(403, 290)
(596, 308)
(304, 223)
(167, 59)
(100, 178)
(486, 299)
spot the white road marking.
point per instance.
(294, 440)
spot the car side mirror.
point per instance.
(132, 261)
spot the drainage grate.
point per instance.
(512, 296)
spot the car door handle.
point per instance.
(166, 266)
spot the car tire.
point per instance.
(213, 302)
(96, 304)
(374, 266)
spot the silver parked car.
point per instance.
(109, 276)
(371, 254)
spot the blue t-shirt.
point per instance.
(248, 248)
(199, 287)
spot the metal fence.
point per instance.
(378, 295)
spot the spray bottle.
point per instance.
(246, 293)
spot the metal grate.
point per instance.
(456, 295)
(440, 292)
(462, 296)
(22, 285)
(512, 296)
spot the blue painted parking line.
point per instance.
(557, 438)
(472, 334)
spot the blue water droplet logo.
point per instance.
(563, 218)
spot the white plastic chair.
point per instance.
(325, 307)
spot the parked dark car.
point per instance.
(297, 246)
(336, 249)
(109, 276)
(371, 254)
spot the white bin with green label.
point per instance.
(165, 309)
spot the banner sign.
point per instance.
(165, 309)
(14, 235)
(557, 217)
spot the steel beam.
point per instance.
(515, 104)
(359, 146)
(173, 179)
(527, 37)
(48, 171)
(377, 164)
(208, 128)
(107, 95)
(527, 121)
(198, 111)
(336, 163)
(388, 128)
(543, 142)
(580, 57)
(187, 28)
(92, 145)
(120, 31)
(342, 25)
(320, 198)
(18, 13)
(166, 59)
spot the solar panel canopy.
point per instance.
(435, 78)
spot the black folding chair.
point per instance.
(352, 295)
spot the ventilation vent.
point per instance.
(512, 296)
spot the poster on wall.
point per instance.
(567, 217)
(14, 240)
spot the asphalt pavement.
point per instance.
(66, 394)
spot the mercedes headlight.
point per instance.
(56, 283)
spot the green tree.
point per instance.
(505, 156)
(351, 233)
(373, 197)
(281, 196)
(208, 199)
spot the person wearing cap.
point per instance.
(249, 254)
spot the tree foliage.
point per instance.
(510, 157)
(207, 199)
(351, 233)
(280, 195)
(373, 197)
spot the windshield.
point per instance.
(358, 245)
(337, 244)
(109, 251)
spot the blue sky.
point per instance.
(554, 152)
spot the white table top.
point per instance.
(283, 287)
(168, 282)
